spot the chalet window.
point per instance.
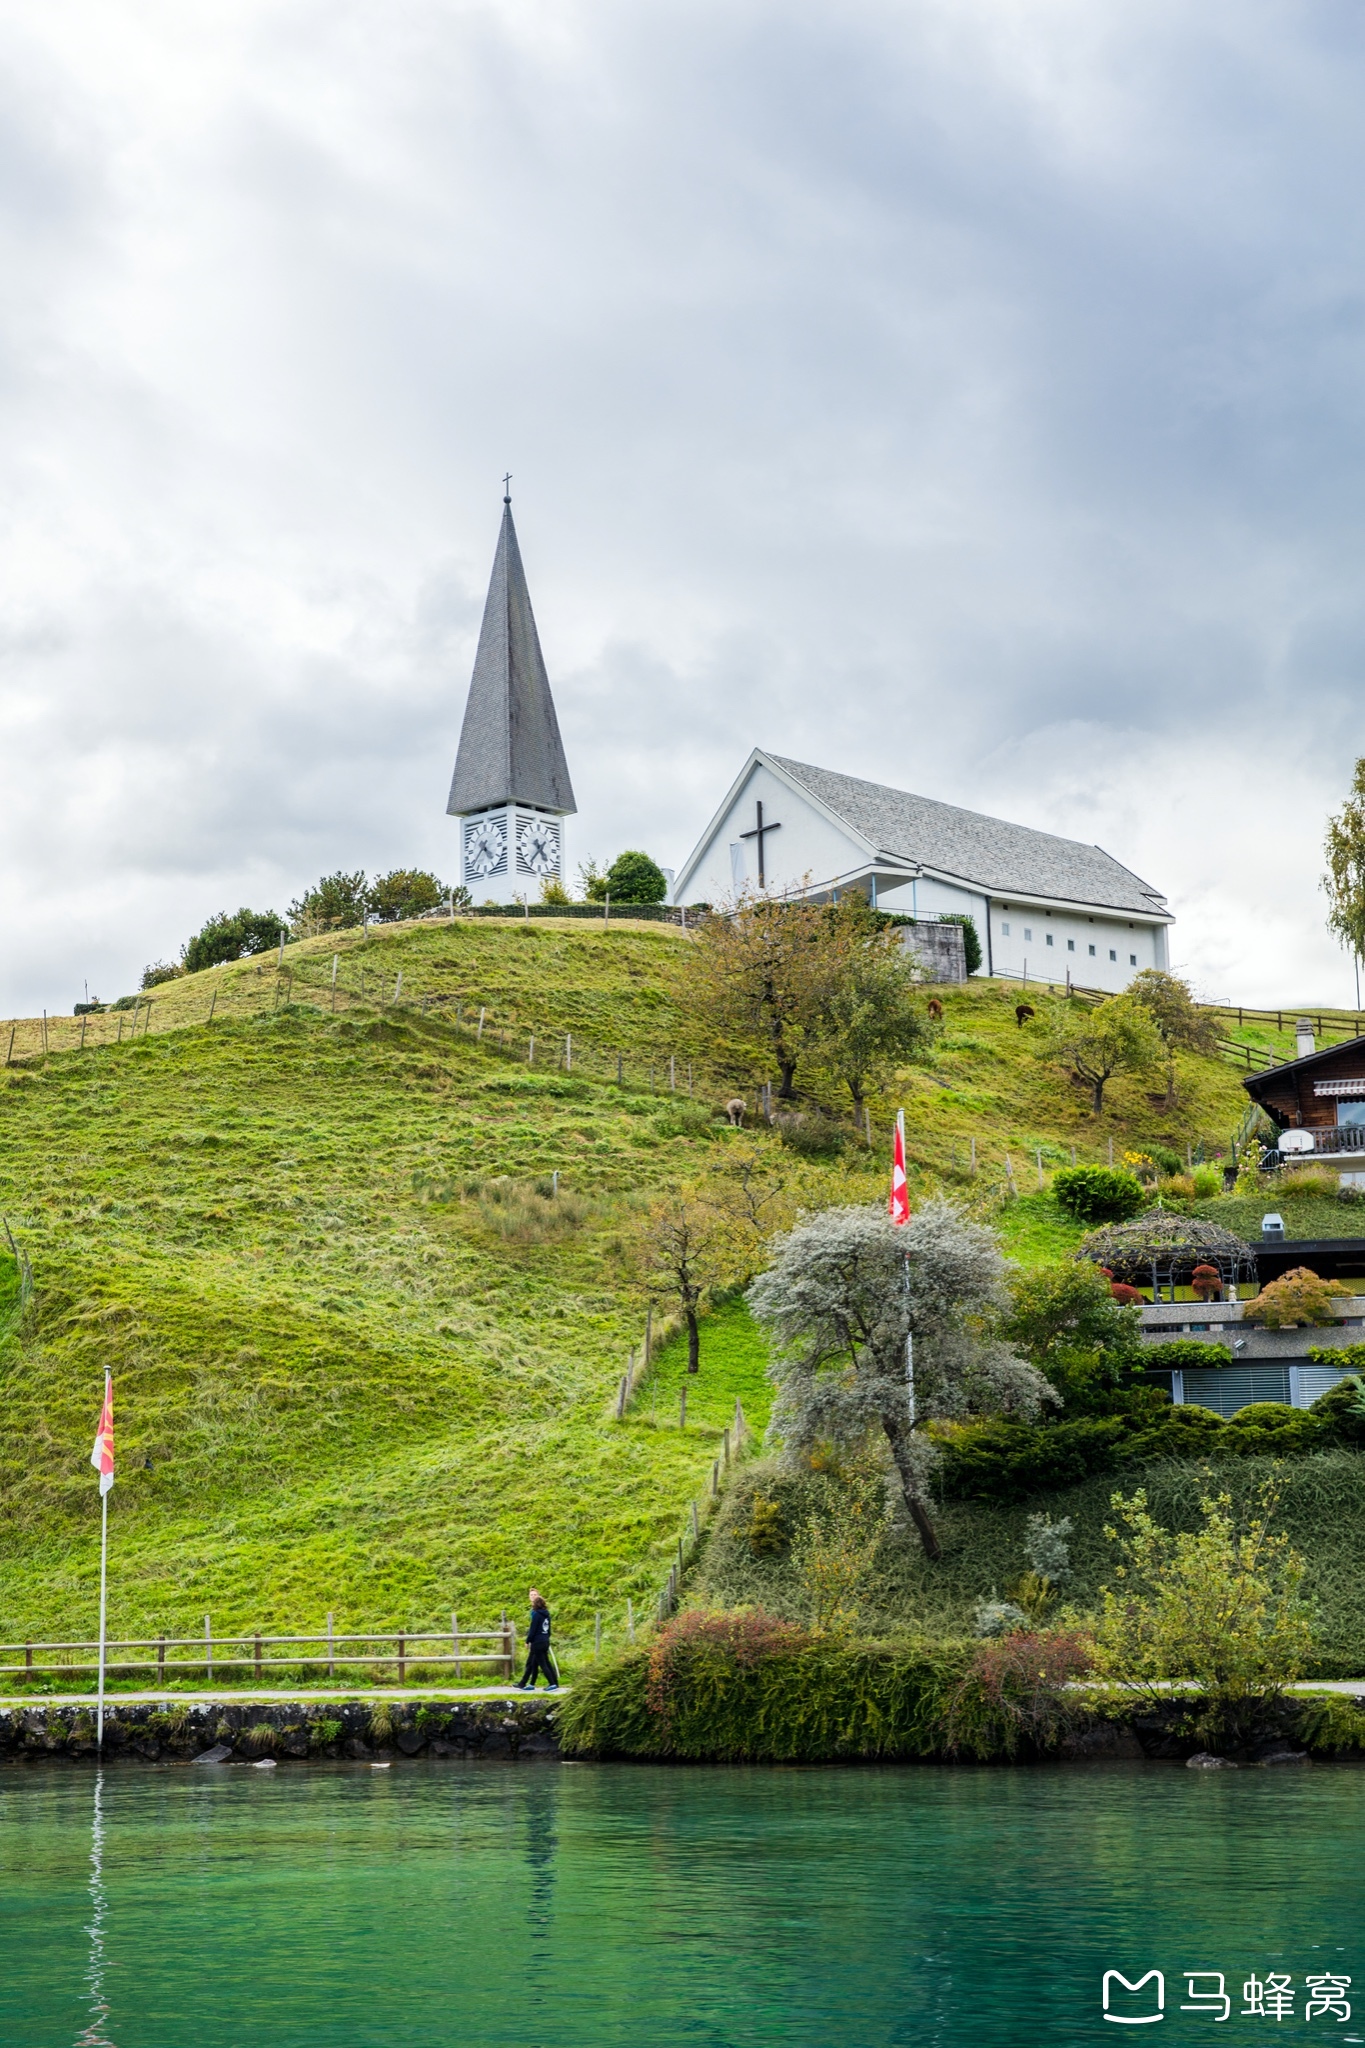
(1112, 954)
(1004, 931)
(1351, 1112)
(1049, 938)
(1071, 945)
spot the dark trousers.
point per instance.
(538, 1659)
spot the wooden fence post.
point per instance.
(696, 1525)
(402, 1662)
(479, 1033)
(621, 1396)
(618, 1068)
(208, 1650)
(331, 1664)
(161, 1661)
(28, 1656)
(682, 1409)
(506, 1647)
(715, 1477)
(455, 1641)
(630, 1622)
(672, 1073)
(597, 1635)
(258, 1660)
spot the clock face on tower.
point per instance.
(538, 846)
(485, 847)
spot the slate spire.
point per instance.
(510, 750)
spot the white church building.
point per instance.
(1043, 906)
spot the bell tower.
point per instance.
(511, 790)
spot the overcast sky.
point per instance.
(967, 394)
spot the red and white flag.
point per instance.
(899, 1205)
(102, 1457)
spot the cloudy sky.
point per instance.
(969, 394)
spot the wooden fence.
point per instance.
(202, 1653)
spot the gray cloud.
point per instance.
(968, 395)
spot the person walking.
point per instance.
(538, 1656)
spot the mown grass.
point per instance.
(364, 1356)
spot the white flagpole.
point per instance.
(104, 1584)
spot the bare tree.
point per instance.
(845, 1291)
(688, 1251)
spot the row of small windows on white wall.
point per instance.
(1070, 944)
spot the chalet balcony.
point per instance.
(1330, 1141)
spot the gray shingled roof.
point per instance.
(1000, 858)
(510, 749)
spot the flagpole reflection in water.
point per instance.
(96, 2035)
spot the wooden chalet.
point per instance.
(1322, 1096)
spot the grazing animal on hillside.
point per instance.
(735, 1109)
(1022, 1013)
(936, 1009)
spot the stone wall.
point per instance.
(942, 948)
(236, 1731)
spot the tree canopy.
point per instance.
(1344, 881)
(232, 935)
(844, 1292)
(1117, 1037)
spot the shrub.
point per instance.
(1186, 1431)
(1019, 1692)
(743, 1687)
(1208, 1181)
(1098, 1194)
(683, 1118)
(232, 935)
(1126, 1296)
(1206, 1283)
(971, 938)
(159, 971)
(811, 1136)
(1219, 1607)
(1341, 1410)
(632, 878)
(1002, 1461)
(1270, 1428)
(1298, 1297)
(1183, 1351)
(94, 1008)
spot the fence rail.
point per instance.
(409, 1646)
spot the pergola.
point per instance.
(1161, 1250)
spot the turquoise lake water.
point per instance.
(583, 1906)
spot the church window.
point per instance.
(1028, 931)
(1092, 952)
(1071, 945)
(1049, 938)
(1004, 931)
(1112, 954)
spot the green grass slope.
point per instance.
(364, 1362)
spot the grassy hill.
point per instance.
(364, 1354)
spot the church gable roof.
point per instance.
(510, 749)
(995, 856)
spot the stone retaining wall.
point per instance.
(298, 1732)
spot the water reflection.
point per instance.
(95, 2035)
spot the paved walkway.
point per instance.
(296, 1697)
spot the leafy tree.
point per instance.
(1220, 1608)
(1098, 1194)
(1066, 1322)
(845, 1290)
(232, 935)
(1297, 1297)
(762, 979)
(872, 1023)
(406, 892)
(1118, 1037)
(689, 1250)
(1345, 878)
(161, 971)
(971, 942)
(634, 878)
(336, 903)
(552, 890)
(1185, 1026)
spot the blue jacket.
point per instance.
(538, 1633)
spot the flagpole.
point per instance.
(104, 1583)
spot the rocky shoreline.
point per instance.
(361, 1731)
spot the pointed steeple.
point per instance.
(510, 749)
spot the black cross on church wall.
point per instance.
(758, 833)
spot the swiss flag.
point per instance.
(899, 1205)
(102, 1457)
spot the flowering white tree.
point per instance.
(845, 1290)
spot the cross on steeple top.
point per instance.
(507, 488)
(759, 832)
